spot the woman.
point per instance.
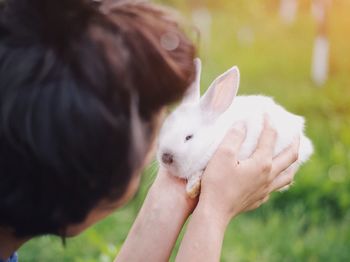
(82, 91)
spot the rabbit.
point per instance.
(191, 134)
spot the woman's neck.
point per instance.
(9, 244)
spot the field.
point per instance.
(311, 221)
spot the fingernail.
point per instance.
(240, 126)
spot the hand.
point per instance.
(230, 187)
(167, 187)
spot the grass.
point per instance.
(310, 222)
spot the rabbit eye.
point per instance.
(189, 137)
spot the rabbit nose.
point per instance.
(167, 158)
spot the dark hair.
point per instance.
(70, 71)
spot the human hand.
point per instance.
(168, 188)
(230, 187)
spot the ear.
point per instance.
(192, 94)
(221, 92)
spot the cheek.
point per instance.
(102, 211)
(132, 189)
(150, 155)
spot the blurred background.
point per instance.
(297, 51)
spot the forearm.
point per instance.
(156, 227)
(203, 238)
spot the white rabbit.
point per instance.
(191, 134)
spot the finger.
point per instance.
(286, 158)
(267, 141)
(284, 179)
(252, 207)
(233, 141)
(258, 203)
(265, 199)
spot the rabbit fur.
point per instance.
(191, 134)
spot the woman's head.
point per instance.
(81, 88)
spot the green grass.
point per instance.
(310, 222)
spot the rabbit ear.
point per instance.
(192, 94)
(221, 92)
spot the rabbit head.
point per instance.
(191, 133)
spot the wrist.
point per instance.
(157, 225)
(215, 213)
(168, 201)
(171, 191)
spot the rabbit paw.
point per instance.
(193, 186)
